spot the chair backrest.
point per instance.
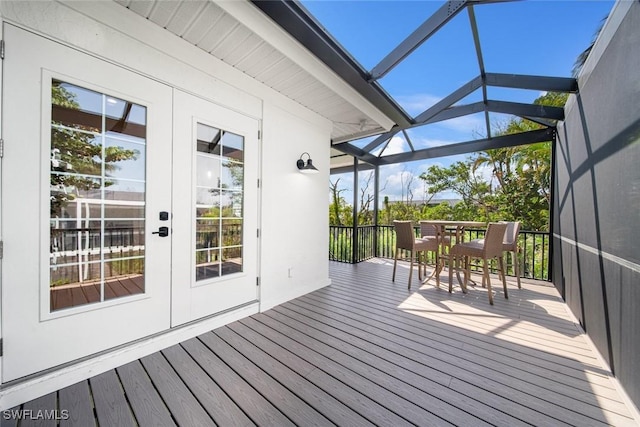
(493, 239)
(405, 237)
(428, 229)
(511, 235)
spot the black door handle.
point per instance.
(162, 232)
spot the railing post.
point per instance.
(376, 190)
(354, 238)
(552, 207)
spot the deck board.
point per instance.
(146, 403)
(259, 409)
(181, 402)
(212, 398)
(436, 349)
(294, 408)
(328, 375)
(76, 399)
(364, 362)
(292, 355)
(534, 368)
(500, 411)
(38, 418)
(366, 351)
(10, 421)
(457, 313)
(242, 339)
(111, 405)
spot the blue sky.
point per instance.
(536, 37)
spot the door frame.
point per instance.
(187, 298)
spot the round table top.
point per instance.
(457, 223)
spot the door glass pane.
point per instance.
(233, 146)
(219, 202)
(125, 159)
(97, 196)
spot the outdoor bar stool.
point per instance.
(488, 248)
(437, 232)
(510, 244)
(406, 239)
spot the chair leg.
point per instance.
(467, 273)
(424, 265)
(395, 262)
(436, 269)
(410, 268)
(484, 280)
(451, 267)
(419, 260)
(504, 280)
(485, 273)
(516, 264)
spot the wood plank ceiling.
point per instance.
(207, 26)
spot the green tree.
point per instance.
(522, 173)
(460, 179)
(77, 154)
(400, 211)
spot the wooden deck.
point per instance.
(365, 351)
(75, 294)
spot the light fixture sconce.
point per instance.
(306, 167)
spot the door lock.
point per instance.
(162, 232)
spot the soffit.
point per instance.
(213, 29)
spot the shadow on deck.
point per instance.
(365, 351)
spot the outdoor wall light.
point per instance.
(306, 167)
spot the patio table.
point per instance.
(458, 235)
(459, 225)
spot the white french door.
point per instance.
(86, 177)
(215, 209)
(128, 207)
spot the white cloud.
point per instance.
(396, 145)
(399, 145)
(416, 104)
(422, 143)
(466, 124)
(395, 182)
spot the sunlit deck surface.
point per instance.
(365, 351)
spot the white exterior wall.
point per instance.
(293, 208)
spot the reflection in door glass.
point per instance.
(97, 197)
(219, 202)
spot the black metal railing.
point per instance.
(343, 248)
(380, 242)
